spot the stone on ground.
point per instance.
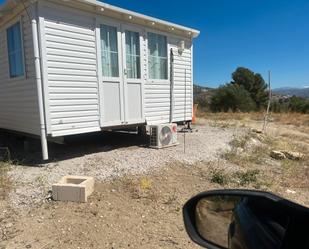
(277, 155)
(293, 155)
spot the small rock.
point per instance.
(9, 225)
(239, 150)
(252, 143)
(260, 137)
(290, 191)
(256, 131)
(277, 155)
(293, 155)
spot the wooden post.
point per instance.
(268, 105)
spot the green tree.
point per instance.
(253, 83)
(298, 104)
(232, 97)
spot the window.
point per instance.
(133, 60)
(109, 51)
(15, 51)
(157, 56)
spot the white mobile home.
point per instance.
(78, 66)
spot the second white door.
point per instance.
(122, 80)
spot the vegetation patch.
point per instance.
(219, 177)
(247, 177)
(140, 188)
(249, 149)
(238, 178)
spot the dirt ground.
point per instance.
(144, 209)
(126, 213)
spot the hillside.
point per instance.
(290, 91)
(202, 94)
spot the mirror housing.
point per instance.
(294, 234)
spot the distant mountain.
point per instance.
(200, 89)
(290, 91)
(202, 94)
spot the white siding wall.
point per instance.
(157, 94)
(157, 102)
(71, 61)
(183, 87)
(71, 80)
(19, 110)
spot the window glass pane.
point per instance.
(162, 48)
(109, 51)
(152, 44)
(151, 65)
(157, 56)
(133, 55)
(12, 65)
(15, 51)
(163, 68)
(113, 39)
(114, 65)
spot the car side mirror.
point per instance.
(245, 219)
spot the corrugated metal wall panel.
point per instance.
(19, 110)
(72, 73)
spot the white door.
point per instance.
(112, 75)
(132, 41)
(122, 84)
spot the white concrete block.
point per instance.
(73, 188)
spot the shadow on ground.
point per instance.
(74, 146)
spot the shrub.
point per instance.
(297, 104)
(219, 177)
(232, 97)
(292, 104)
(247, 177)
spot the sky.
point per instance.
(261, 35)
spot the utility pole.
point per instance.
(269, 101)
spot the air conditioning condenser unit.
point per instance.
(163, 135)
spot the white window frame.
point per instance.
(158, 81)
(9, 25)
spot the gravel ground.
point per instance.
(112, 156)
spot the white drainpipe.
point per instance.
(171, 85)
(39, 88)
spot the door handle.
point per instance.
(125, 72)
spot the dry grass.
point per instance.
(139, 188)
(252, 151)
(286, 131)
(296, 119)
(284, 118)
